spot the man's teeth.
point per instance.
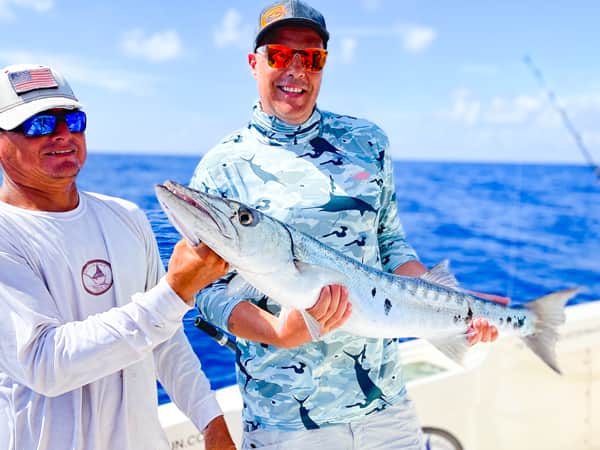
(292, 90)
(61, 152)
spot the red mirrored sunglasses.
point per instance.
(281, 56)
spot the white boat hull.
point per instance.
(504, 398)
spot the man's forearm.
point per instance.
(250, 322)
(413, 268)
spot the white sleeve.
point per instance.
(51, 357)
(181, 375)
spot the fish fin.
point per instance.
(239, 287)
(282, 318)
(320, 271)
(440, 274)
(454, 347)
(550, 314)
(321, 274)
(314, 328)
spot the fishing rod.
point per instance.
(537, 73)
(220, 337)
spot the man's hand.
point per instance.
(216, 435)
(332, 308)
(480, 329)
(193, 268)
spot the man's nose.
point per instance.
(62, 130)
(297, 65)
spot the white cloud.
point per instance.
(414, 38)
(372, 5)
(515, 110)
(88, 73)
(7, 6)
(464, 109)
(38, 5)
(232, 31)
(469, 110)
(535, 110)
(158, 47)
(348, 49)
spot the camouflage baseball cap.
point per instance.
(290, 12)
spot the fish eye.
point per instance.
(246, 217)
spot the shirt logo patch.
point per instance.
(275, 13)
(96, 276)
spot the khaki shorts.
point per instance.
(395, 428)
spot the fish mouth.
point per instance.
(197, 201)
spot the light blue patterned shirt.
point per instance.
(331, 177)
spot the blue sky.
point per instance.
(445, 80)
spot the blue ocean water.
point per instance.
(520, 230)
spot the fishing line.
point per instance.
(512, 250)
(537, 73)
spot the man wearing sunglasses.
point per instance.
(89, 319)
(330, 176)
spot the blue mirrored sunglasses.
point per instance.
(45, 123)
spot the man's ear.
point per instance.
(252, 63)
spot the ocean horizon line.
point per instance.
(552, 163)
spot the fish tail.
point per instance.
(550, 314)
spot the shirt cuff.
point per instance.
(163, 303)
(208, 410)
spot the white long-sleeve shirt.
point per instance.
(87, 325)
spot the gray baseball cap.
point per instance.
(28, 89)
(290, 12)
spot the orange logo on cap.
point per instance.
(273, 14)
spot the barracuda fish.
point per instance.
(291, 267)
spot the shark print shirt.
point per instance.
(331, 177)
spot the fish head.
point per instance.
(241, 235)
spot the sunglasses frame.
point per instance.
(28, 126)
(307, 56)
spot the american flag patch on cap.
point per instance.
(29, 80)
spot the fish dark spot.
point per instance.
(457, 318)
(387, 306)
(501, 320)
(373, 292)
(508, 319)
(521, 321)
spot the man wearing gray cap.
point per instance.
(89, 319)
(330, 176)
